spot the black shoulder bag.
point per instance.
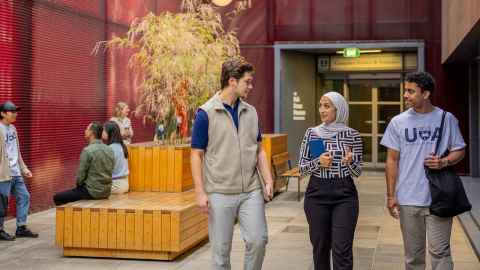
(446, 188)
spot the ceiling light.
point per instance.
(362, 51)
(221, 3)
(370, 51)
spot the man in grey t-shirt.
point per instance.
(12, 171)
(411, 138)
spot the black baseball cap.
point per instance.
(8, 106)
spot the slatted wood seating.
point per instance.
(282, 169)
(137, 225)
(158, 219)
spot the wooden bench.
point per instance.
(136, 225)
(282, 169)
(274, 144)
(158, 219)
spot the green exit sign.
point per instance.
(351, 52)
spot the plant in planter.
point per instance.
(180, 56)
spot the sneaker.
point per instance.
(23, 231)
(5, 236)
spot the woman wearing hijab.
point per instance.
(331, 199)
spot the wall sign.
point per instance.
(374, 62)
(299, 113)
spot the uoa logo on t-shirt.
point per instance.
(424, 133)
(11, 137)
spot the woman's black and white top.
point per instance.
(338, 146)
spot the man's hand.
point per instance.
(268, 192)
(202, 202)
(392, 206)
(435, 162)
(325, 160)
(27, 173)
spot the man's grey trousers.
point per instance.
(249, 209)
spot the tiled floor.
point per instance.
(377, 246)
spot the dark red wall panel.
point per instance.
(292, 20)
(362, 12)
(342, 20)
(124, 11)
(7, 50)
(331, 20)
(93, 8)
(168, 5)
(15, 22)
(67, 94)
(262, 94)
(252, 25)
(455, 99)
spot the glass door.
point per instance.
(373, 103)
(389, 103)
(359, 95)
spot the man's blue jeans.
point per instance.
(17, 187)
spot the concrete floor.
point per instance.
(377, 246)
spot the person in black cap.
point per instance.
(12, 170)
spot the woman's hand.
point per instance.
(348, 158)
(325, 160)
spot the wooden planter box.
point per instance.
(159, 168)
(137, 225)
(274, 144)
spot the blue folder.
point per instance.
(316, 147)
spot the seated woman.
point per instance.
(112, 137)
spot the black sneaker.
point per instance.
(4, 236)
(23, 231)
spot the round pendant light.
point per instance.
(221, 3)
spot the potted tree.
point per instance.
(180, 56)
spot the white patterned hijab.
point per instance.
(340, 123)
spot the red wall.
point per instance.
(48, 69)
(67, 93)
(15, 65)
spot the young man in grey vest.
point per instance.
(227, 158)
(411, 138)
